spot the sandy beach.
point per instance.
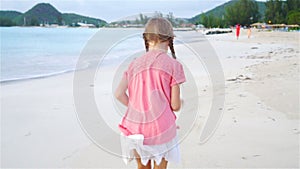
(259, 127)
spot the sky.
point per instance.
(112, 10)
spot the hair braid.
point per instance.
(146, 42)
(172, 48)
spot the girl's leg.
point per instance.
(139, 162)
(163, 164)
(141, 166)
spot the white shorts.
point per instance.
(169, 150)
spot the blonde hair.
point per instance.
(159, 30)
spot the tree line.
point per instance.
(142, 19)
(246, 12)
(279, 11)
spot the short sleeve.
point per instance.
(178, 76)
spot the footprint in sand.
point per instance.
(28, 134)
(271, 118)
(296, 131)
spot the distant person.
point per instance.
(150, 90)
(238, 27)
(249, 32)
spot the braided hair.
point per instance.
(157, 38)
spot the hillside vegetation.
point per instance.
(44, 13)
(246, 12)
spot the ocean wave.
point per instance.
(44, 75)
(31, 77)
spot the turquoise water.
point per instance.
(33, 52)
(38, 52)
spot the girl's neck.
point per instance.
(159, 46)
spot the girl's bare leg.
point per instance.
(163, 164)
(139, 162)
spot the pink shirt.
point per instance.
(150, 78)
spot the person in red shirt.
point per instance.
(238, 27)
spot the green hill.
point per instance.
(44, 13)
(7, 17)
(219, 11)
(40, 13)
(10, 14)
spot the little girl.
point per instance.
(148, 127)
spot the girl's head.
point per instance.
(159, 30)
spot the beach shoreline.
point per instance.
(259, 128)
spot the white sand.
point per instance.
(259, 128)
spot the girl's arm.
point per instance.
(175, 98)
(120, 92)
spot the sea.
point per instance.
(38, 52)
